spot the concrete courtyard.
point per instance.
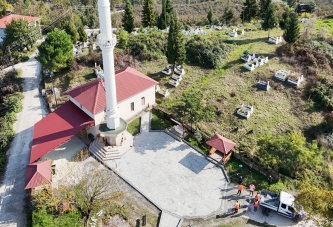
(171, 174)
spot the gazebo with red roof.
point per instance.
(37, 174)
(221, 144)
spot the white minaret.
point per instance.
(107, 41)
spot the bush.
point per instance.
(24, 58)
(148, 46)
(122, 39)
(291, 155)
(322, 95)
(205, 52)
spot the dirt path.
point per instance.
(12, 193)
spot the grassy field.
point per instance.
(282, 108)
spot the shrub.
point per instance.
(322, 95)
(24, 58)
(122, 39)
(147, 46)
(205, 52)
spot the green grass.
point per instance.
(134, 126)
(159, 122)
(258, 179)
(195, 144)
(276, 111)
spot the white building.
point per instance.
(7, 19)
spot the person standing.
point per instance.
(240, 180)
(252, 188)
(250, 168)
(255, 205)
(240, 188)
(237, 206)
(270, 179)
(257, 197)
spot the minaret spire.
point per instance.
(107, 41)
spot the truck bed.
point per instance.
(269, 199)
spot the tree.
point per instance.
(193, 109)
(228, 15)
(169, 11)
(263, 6)
(176, 52)
(3, 7)
(292, 31)
(128, 18)
(270, 19)
(285, 19)
(250, 10)
(210, 15)
(148, 15)
(56, 51)
(290, 154)
(89, 188)
(82, 34)
(291, 3)
(19, 30)
(162, 19)
(71, 30)
(316, 200)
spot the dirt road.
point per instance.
(12, 193)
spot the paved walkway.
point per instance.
(12, 193)
(169, 220)
(171, 174)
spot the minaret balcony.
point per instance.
(107, 42)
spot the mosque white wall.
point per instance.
(125, 107)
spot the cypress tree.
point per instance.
(263, 6)
(285, 19)
(128, 18)
(292, 32)
(228, 15)
(82, 34)
(148, 15)
(169, 11)
(176, 52)
(250, 10)
(161, 22)
(210, 15)
(270, 19)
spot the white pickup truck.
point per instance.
(282, 203)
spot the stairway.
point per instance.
(105, 153)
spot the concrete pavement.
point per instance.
(171, 174)
(12, 193)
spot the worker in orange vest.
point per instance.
(257, 197)
(240, 188)
(237, 206)
(256, 204)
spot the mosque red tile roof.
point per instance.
(57, 128)
(129, 82)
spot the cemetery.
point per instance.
(245, 111)
(275, 40)
(263, 85)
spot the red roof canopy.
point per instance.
(221, 143)
(38, 173)
(129, 82)
(7, 19)
(57, 128)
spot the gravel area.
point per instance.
(12, 193)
